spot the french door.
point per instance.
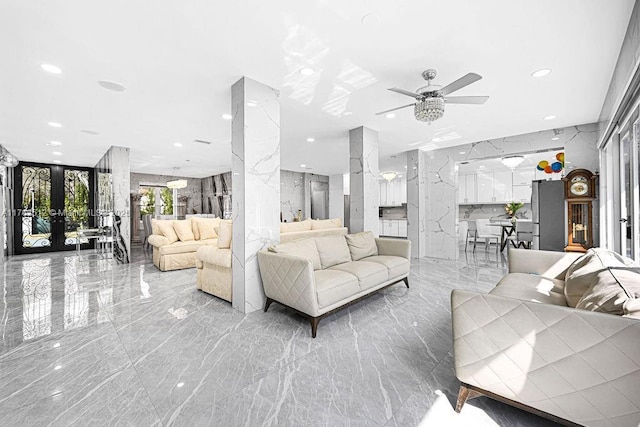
(52, 202)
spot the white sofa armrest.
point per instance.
(157, 240)
(394, 247)
(289, 280)
(532, 353)
(549, 264)
(214, 255)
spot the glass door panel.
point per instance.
(36, 207)
(76, 203)
(626, 184)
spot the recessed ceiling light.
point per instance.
(390, 115)
(551, 117)
(481, 167)
(57, 153)
(54, 144)
(251, 103)
(306, 71)
(555, 138)
(303, 165)
(113, 86)
(51, 68)
(310, 139)
(347, 113)
(177, 144)
(227, 116)
(54, 124)
(541, 73)
(90, 132)
(57, 161)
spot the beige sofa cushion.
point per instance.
(362, 245)
(164, 227)
(291, 227)
(397, 266)
(183, 230)
(302, 249)
(206, 227)
(323, 224)
(583, 273)
(613, 290)
(531, 287)
(225, 234)
(185, 247)
(333, 286)
(369, 274)
(332, 250)
(214, 255)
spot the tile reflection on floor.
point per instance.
(86, 341)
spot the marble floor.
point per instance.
(86, 342)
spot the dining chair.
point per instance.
(524, 234)
(472, 233)
(488, 233)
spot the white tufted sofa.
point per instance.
(525, 343)
(321, 275)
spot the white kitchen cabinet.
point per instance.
(395, 228)
(523, 177)
(522, 193)
(502, 186)
(393, 193)
(467, 190)
(402, 228)
(484, 187)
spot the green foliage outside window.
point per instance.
(166, 195)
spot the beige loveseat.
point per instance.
(318, 276)
(175, 242)
(558, 336)
(290, 231)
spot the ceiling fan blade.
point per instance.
(404, 92)
(466, 99)
(394, 109)
(460, 83)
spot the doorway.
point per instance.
(52, 202)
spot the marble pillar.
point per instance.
(336, 197)
(416, 201)
(363, 181)
(113, 199)
(255, 145)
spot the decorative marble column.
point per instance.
(363, 181)
(336, 196)
(255, 145)
(416, 202)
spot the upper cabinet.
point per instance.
(393, 193)
(495, 187)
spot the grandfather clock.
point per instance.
(580, 192)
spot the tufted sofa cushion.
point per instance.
(333, 286)
(369, 274)
(530, 287)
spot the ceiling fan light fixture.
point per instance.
(429, 110)
(389, 175)
(512, 162)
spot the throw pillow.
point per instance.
(613, 290)
(583, 273)
(305, 248)
(225, 234)
(165, 228)
(207, 227)
(183, 230)
(333, 250)
(323, 224)
(362, 245)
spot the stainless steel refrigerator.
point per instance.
(547, 205)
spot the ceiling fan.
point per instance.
(430, 99)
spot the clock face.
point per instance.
(579, 188)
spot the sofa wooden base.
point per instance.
(470, 392)
(315, 320)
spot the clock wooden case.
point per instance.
(580, 192)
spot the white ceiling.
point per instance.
(179, 60)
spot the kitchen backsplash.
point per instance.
(394, 212)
